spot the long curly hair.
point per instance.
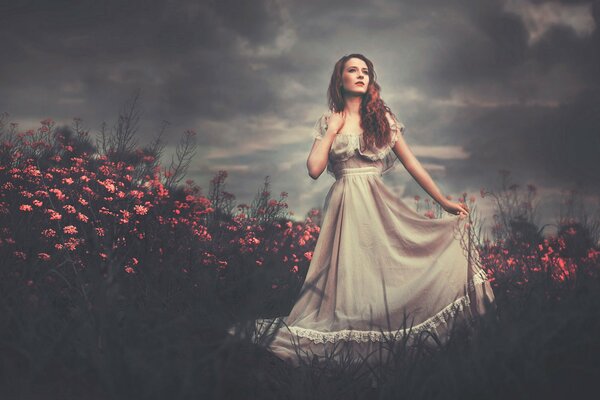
(373, 121)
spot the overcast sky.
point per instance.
(480, 85)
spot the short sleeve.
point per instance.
(397, 128)
(320, 127)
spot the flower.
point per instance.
(140, 210)
(25, 207)
(44, 256)
(54, 215)
(58, 193)
(72, 244)
(49, 233)
(70, 230)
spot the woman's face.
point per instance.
(355, 77)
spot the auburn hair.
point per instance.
(373, 121)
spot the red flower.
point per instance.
(82, 217)
(70, 230)
(49, 232)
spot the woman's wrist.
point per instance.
(330, 132)
(443, 202)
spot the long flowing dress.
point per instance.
(379, 269)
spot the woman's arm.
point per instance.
(414, 167)
(319, 153)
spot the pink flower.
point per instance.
(72, 244)
(44, 256)
(129, 270)
(109, 185)
(82, 217)
(58, 193)
(25, 207)
(49, 232)
(37, 203)
(100, 231)
(140, 210)
(67, 181)
(54, 215)
(70, 230)
(69, 209)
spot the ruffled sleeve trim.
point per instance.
(320, 127)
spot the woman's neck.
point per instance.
(352, 105)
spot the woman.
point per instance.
(379, 269)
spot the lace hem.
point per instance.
(440, 319)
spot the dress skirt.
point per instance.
(380, 274)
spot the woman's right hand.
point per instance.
(336, 121)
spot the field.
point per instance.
(118, 282)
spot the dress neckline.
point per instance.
(350, 134)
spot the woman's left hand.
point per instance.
(456, 208)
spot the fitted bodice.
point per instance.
(349, 150)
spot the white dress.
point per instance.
(377, 261)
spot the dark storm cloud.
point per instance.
(185, 52)
(556, 144)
